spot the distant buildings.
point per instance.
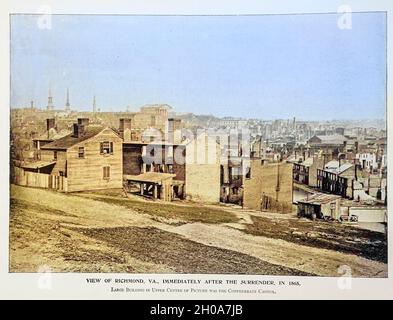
(233, 123)
(158, 155)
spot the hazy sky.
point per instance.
(276, 66)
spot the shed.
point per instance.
(156, 184)
(320, 206)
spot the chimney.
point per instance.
(50, 123)
(171, 130)
(125, 124)
(75, 130)
(174, 130)
(83, 121)
(79, 128)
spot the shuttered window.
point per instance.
(81, 152)
(106, 172)
(106, 147)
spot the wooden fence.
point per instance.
(39, 180)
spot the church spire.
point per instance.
(68, 101)
(94, 105)
(50, 100)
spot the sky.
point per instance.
(264, 66)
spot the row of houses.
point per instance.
(330, 182)
(93, 156)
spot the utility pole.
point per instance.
(278, 181)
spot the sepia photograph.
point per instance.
(199, 144)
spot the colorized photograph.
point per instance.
(170, 144)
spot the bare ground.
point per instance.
(183, 256)
(320, 234)
(103, 232)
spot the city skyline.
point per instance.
(283, 66)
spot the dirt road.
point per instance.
(107, 233)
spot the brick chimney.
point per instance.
(125, 124)
(79, 128)
(50, 123)
(83, 121)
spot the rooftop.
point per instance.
(38, 164)
(152, 177)
(57, 135)
(319, 198)
(70, 140)
(335, 167)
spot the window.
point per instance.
(81, 152)
(106, 172)
(106, 147)
(54, 155)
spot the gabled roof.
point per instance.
(71, 140)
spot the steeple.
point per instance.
(50, 100)
(67, 106)
(94, 105)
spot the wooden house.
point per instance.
(89, 158)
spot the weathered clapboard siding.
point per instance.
(61, 162)
(87, 173)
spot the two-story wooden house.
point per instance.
(90, 158)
